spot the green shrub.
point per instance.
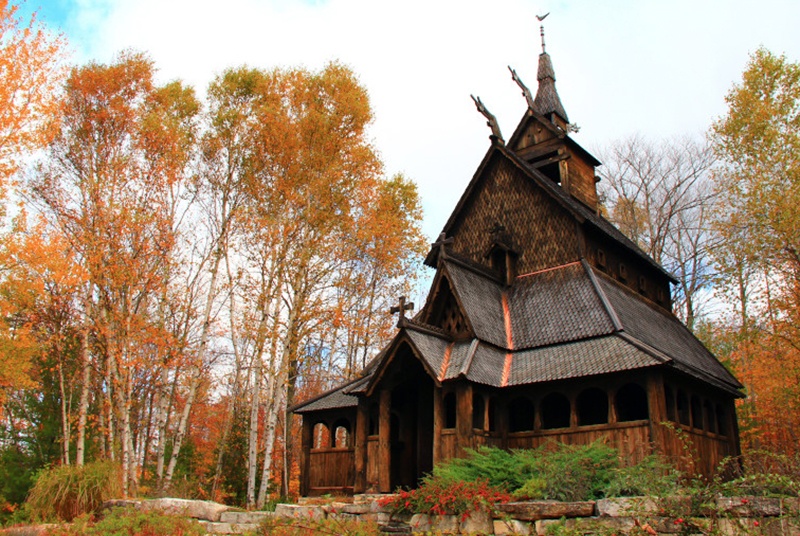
(130, 522)
(653, 476)
(499, 468)
(567, 472)
(67, 491)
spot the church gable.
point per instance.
(543, 231)
(445, 312)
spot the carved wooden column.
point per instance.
(306, 442)
(464, 418)
(438, 424)
(360, 447)
(384, 442)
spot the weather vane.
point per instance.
(540, 18)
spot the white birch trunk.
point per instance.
(83, 407)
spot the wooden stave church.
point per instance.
(543, 323)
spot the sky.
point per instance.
(660, 69)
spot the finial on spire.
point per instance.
(540, 18)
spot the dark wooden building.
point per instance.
(543, 322)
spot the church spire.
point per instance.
(547, 101)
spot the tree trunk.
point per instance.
(83, 408)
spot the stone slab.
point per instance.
(245, 517)
(535, 510)
(750, 506)
(216, 527)
(476, 522)
(627, 506)
(296, 511)
(206, 510)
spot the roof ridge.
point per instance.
(473, 349)
(612, 314)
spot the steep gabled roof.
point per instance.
(575, 208)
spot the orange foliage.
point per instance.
(770, 415)
(30, 70)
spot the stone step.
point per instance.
(218, 527)
(245, 517)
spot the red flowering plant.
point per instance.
(440, 497)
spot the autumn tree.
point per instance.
(30, 71)
(659, 195)
(288, 149)
(108, 185)
(758, 142)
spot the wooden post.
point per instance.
(384, 442)
(657, 405)
(438, 424)
(360, 447)
(305, 456)
(464, 418)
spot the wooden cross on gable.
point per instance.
(401, 308)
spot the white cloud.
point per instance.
(661, 68)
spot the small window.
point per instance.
(631, 403)
(478, 410)
(449, 404)
(555, 411)
(642, 284)
(662, 296)
(592, 405)
(601, 258)
(623, 272)
(521, 415)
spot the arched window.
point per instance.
(322, 436)
(670, 401)
(341, 434)
(478, 410)
(521, 415)
(592, 407)
(711, 418)
(697, 413)
(555, 411)
(631, 403)
(683, 407)
(449, 403)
